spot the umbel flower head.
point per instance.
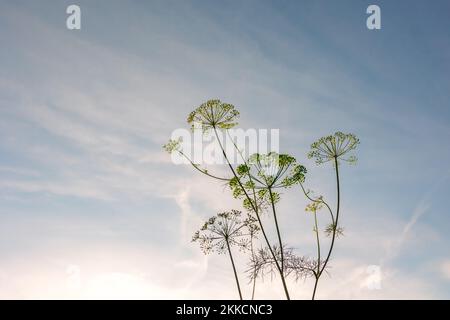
(272, 170)
(226, 229)
(214, 114)
(334, 147)
(263, 172)
(173, 145)
(314, 206)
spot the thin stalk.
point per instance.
(255, 209)
(234, 270)
(318, 255)
(317, 200)
(315, 287)
(277, 227)
(335, 226)
(254, 268)
(202, 171)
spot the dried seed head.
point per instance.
(226, 228)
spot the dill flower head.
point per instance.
(314, 206)
(334, 147)
(214, 114)
(173, 145)
(272, 170)
(262, 174)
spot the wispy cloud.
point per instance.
(84, 116)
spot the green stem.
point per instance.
(254, 286)
(315, 287)
(283, 280)
(318, 200)
(234, 270)
(254, 268)
(277, 227)
(202, 171)
(318, 255)
(335, 226)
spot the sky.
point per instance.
(92, 207)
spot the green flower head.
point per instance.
(273, 170)
(173, 145)
(264, 172)
(314, 206)
(334, 147)
(214, 114)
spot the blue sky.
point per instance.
(91, 206)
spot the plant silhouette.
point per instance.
(257, 181)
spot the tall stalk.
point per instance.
(321, 266)
(272, 201)
(335, 226)
(234, 269)
(254, 269)
(316, 274)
